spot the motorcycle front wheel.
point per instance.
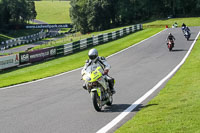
(96, 101)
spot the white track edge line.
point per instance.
(8, 87)
(111, 124)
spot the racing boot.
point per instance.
(112, 90)
(84, 86)
(111, 85)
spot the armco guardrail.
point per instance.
(99, 39)
(22, 40)
(63, 50)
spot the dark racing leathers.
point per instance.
(171, 38)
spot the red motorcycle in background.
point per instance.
(170, 45)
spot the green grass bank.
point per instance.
(192, 21)
(53, 12)
(176, 108)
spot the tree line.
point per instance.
(96, 15)
(16, 12)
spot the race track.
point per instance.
(60, 105)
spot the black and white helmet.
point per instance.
(93, 54)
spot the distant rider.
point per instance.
(170, 38)
(94, 58)
(175, 25)
(183, 27)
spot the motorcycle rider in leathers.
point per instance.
(171, 38)
(94, 58)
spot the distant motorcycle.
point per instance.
(186, 32)
(170, 45)
(183, 29)
(187, 35)
(97, 86)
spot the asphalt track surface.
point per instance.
(60, 105)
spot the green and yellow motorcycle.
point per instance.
(97, 86)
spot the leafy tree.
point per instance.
(198, 6)
(1, 15)
(78, 15)
(95, 15)
(99, 15)
(16, 11)
(90, 15)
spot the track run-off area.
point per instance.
(59, 104)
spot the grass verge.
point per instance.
(71, 62)
(56, 13)
(176, 108)
(4, 37)
(192, 21)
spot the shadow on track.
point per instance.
(178, 50)
(123, 107)
(145, 106)
(192, 40)
(116, 108)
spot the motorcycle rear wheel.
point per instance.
(96, 101)
(170, 47)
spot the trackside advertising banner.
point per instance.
(9, 61)
(37, 55)
(24, 58)
(48, 26)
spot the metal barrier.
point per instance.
(22, 40)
